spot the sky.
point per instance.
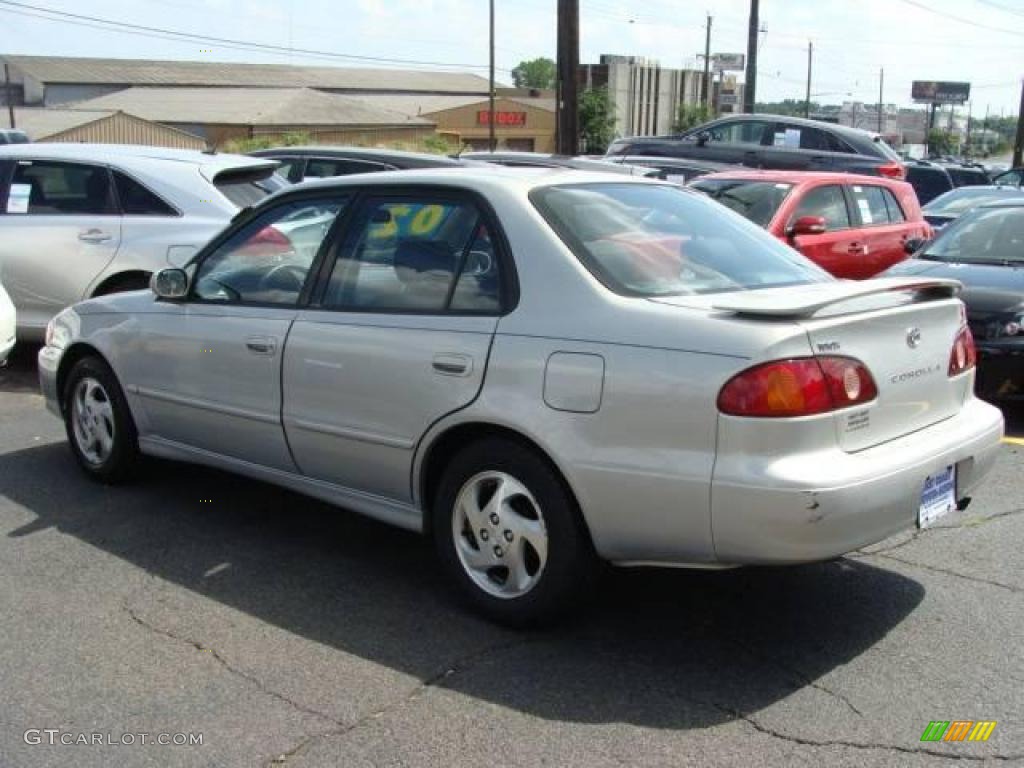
(980, 41)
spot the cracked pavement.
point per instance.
(292, 634)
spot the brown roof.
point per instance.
(249, 106)
(128, 72)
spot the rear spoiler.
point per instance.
(805, 300)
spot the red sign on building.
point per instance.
(483, 117)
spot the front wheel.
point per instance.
(99, 424)
(509, 534)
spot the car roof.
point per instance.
(368, 153)
(1017, 202)
(479, 178)
(801, 177)
(125, 153)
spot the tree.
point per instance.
(537, 73)
(941, 142)
(690, 116)
(597, 123)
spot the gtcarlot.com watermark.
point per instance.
(57, 737)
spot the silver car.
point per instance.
(541, 370)
(7, 323)
(81, 220)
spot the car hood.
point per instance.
(987, 287)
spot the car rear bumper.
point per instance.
(824, 504)
(1000, 371)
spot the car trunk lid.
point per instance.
(902, 329)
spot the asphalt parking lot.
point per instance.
(288, 633)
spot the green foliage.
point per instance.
(437, 145)
(941, 142)
(536, 73)
(690, 116)
(597, 123)
(291, 139)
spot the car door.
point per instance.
(207, 370)
(840, 248)
(881, 220)
(60, 229)
(398, 337)
(739, 142)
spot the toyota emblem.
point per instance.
(913, 337)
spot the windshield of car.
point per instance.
(659, 240)
(959, 200)
(756, 200)
(985, 235)
(247, 187)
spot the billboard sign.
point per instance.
(728, 62)
(939, 92)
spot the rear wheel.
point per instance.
(508, 532)
(99, 424)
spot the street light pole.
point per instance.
(881, 86)
(749, 96)
(707, 66)
(568, 85)
(492, 141)
(807, 101)
(1018, 146)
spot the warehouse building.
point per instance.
(96, 126)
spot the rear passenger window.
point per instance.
(827, 202)
(896, 214)
(819, 140)
(870, 205)
(406, 255)
(49, 188)
(136, 200)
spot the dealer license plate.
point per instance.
(938, 497)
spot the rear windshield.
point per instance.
(966, 177)
(959, 200)
(756, 200)
(659, 240)
(248, 187)
(886, 150)
(985, 235)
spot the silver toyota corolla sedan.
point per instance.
(81, 220)
(541, 370)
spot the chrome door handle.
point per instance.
(261, 345)
(453, 365)
(94, 236)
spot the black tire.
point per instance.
(117, 463)
(571, 564)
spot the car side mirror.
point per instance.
(807, 225)
(170, 283)
(703, 138)
(913, 245)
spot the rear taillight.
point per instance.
(964, 356)
(893, 171)
(798, 387)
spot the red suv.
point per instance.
(854, 226)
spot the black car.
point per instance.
(984, 249)
(1011, 178)
(928, 179)
(966, 175)
(542, 160)
(317, 162)
(774, 142)
(677, 169)
(948, 206)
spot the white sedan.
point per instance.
(7, 325)
(540, 370)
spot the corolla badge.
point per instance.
(913, 337)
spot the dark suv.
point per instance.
(774, 142)
(318, 162)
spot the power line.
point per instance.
(961, 19)
(146, 31)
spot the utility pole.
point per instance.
(568, 78)
(752, 30)
(1018, 145)
(492, 141)
(881, 86)
(707, 67)
(807, 101)
(9, 94)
